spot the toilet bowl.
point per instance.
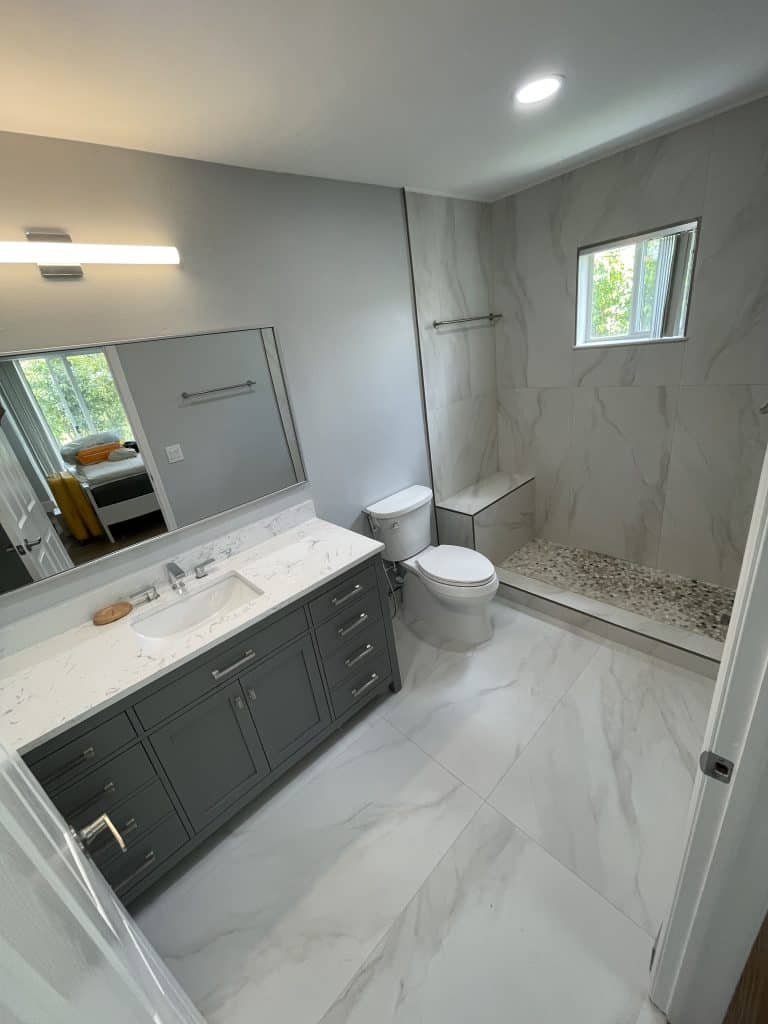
(447, 590)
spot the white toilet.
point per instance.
(448, 590)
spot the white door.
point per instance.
(722, 892)
(69, 952)
(24, 519)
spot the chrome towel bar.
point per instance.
(216, 391)
(490, 317)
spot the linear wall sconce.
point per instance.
(58, 256)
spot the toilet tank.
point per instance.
(402, 522)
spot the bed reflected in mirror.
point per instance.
(104, 447)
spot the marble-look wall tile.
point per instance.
(628, 365)
(617, 468)
(454, 528)
(507, 524)
(717, 454)
(451, 252)
(659, 182)
(601, 481)
(450, 249)
(728, 323)
(532, 289)
(536, 236)
(534, 437)
(463, 442)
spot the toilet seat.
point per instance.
(450, 566)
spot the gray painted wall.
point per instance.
(324, 261)
(233, 443)
(653, 452)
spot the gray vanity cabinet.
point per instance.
(287, 701)
(212, 754)
(174, 761)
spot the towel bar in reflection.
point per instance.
(218, 391)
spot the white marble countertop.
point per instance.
(53, 685)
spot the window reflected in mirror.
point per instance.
(102, 448)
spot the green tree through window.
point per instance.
(76, 394)
(612, 280)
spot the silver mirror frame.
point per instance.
(270, 342)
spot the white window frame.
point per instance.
(63, 357)
(585, 271)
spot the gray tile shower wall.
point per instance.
(451, 252)
(650, 453)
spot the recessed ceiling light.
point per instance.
(539, 89)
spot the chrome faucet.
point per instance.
(175, 577)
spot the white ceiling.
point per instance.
(394, 92)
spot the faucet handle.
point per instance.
(201, 570)
(148, 594)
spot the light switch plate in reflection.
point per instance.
(174, 453)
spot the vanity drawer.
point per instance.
(341, 597)
(77, 757)
(367, 647)
(360, 686)
(349, 623)
(105, 786)
(127, 870)
(133, 819)
(247, 651)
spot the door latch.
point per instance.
(715, 766)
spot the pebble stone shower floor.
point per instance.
(691, 604)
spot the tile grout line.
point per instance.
(486, 802)
(577, 876)
(415, 895)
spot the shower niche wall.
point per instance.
(616, 479)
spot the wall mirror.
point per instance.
(102, 448)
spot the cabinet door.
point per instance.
(287, 701)
(212, 754)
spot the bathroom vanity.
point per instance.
(187, 732)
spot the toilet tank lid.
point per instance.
(398, 504)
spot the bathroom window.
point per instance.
(637, 289)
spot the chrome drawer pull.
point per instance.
(149, 860)
(85, 755)
(222, 673)
(359, 656)
(130, 826)
(89, 832)
(374, 679)
(352, 626)
(336, 601)
(108, 787)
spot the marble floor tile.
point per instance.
(475, 712)
(501, 932)
(273, 921)
(606, 783)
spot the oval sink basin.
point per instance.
(225, 595)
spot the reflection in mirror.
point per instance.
(105, 447)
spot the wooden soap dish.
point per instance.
(111, 613)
